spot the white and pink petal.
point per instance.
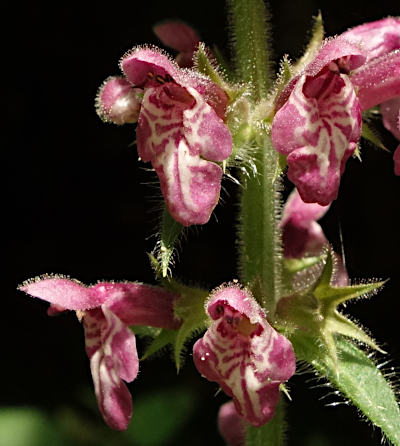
(318, 128)
(111, 348)
(244, 354)
(181, 135)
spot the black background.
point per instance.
(78, 202)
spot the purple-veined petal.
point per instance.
(69, 294)
(378, 81)
(391, 116)
(117, 101)
(204, 130)
(244, 354)
(376, 38)
(139, 304)
(176, 130)
(111, 348)
(318, 128)
(301, 234)
(231, 425)
(177, 35)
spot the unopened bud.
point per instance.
(118, 102)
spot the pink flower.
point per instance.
(378, 81)
(376, 38)
(181, 131)
(320, 123)
(244, 354)
(301, 234)
(180, 37)
(231, 425)
(107, 310)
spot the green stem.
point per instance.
(249, 25)
(261, 259)
(260, 238)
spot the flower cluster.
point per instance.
(183, 131)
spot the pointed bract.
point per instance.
(244, 354)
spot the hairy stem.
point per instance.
(260, 261)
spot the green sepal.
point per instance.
(358, 378)
(314, 310)
(189, 308)
(162, 255)
(313, 46)
(209, 68)
(144, 331)
(163, 339)
(284, 76)
(223, 64)
(372, 136)
(293, 266)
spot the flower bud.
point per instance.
(117, 101)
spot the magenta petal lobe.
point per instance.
(244, 354)
(63, 293)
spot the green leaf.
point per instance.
(313, 46)
(189, 308)
(372, 136)
(271, 433)
(28, 427)
(164, 338)
(359, 379)
(169, 236)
